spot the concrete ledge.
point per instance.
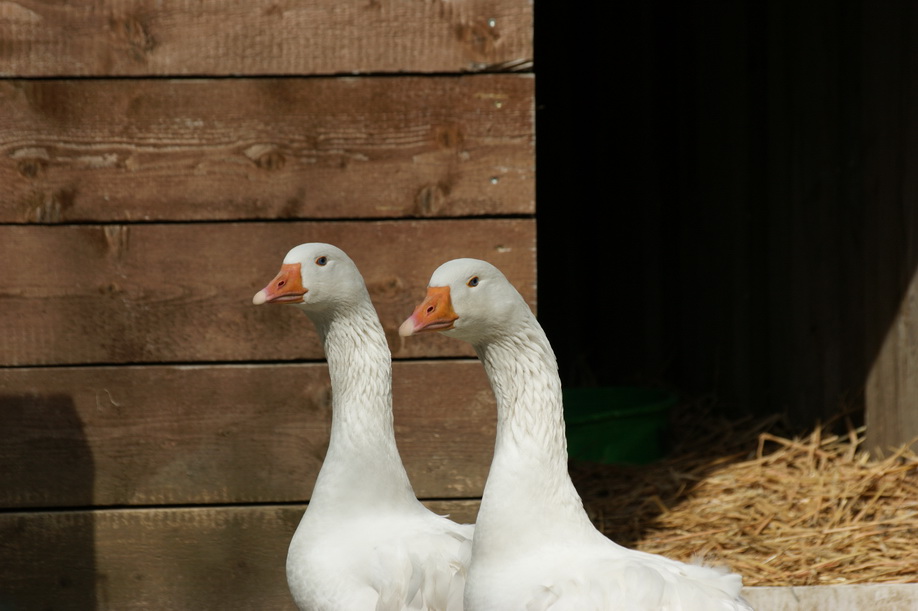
(867, 597)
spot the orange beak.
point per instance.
(434, 314)
(287, 287)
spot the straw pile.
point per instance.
(779, 509)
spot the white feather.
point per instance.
(535, 548)
(365, 542)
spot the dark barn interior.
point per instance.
(726, 201)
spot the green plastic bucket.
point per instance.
(617, 424)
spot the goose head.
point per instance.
(316, 277)
(471, 300)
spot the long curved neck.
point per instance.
(362, 462)
(528, 485)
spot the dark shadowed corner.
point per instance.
(47, 556)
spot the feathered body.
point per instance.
(535, 548)
(365, 541)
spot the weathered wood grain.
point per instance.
(165, 435)
(132, 240)
(195, 559)
(229, 149)
(234, 37)
(146, 293)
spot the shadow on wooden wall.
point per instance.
(47, 457)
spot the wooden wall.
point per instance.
(159, 435)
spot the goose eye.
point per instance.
(473, 281)
(321, 260)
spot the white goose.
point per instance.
(535, 547)
(365, 541)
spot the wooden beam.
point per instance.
(167, 435)
(148, 293)
(194, 559)
(229, 149)
(240, 37)
(891, 226)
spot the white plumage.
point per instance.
(535, 548)
(365, 541)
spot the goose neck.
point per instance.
(528, 476)
(362, 458)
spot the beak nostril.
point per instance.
(430, 309)
(281, 283)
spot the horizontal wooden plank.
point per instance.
(230, 37)
(197, 559)
(161, 435)
(229, 149)
(837, 597)
(79, 294)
